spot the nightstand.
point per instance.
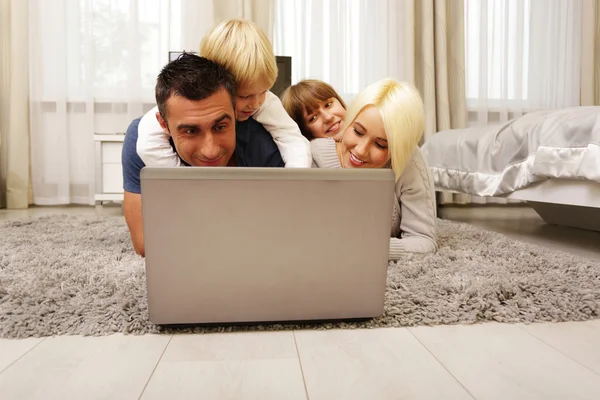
(109, 170)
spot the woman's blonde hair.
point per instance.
(401, 108)
(243, 48)
(305, 97)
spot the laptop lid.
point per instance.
(265, 244)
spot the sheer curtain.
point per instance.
(521, 55)
(347, 43)
(93, 68)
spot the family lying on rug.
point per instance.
(193, 125)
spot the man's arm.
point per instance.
(132, 209)
(132, 199)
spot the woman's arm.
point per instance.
(416, 196)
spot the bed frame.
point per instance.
(568, 202)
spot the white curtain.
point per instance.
(93, 68)
(192, 19)
(347, 43)
(521, 55)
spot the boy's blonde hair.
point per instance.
(305, 97)
(243, 48)
(402, 111)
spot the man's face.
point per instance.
(203, 131)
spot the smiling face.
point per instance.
(248, 100)
(203, 131)
(364, 144)
(327, 120)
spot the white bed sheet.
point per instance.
(502, 158)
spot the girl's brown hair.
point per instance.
(305, 97)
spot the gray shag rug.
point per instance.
(69, 275)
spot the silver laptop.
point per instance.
(232, 245)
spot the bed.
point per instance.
(550, 159)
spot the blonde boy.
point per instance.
(244, 49)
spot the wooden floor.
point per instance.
(486, 361)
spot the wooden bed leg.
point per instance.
(568, 215)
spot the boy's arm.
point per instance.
(153, 144)
(294, 148)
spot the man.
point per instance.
(196, 106)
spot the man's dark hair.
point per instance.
(192, 77)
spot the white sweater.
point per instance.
(414, 216)
(154, 148)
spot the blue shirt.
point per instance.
(254, 147)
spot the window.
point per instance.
(106, 50)
(496, 49)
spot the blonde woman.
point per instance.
(381, 129)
